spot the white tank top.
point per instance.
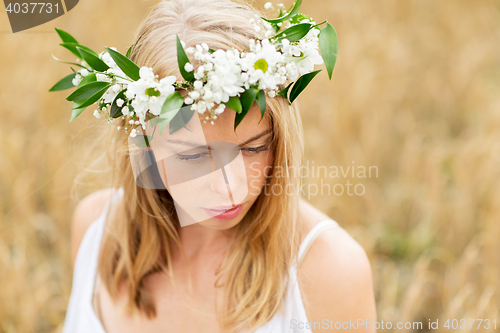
(81, 317)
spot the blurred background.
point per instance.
(414, 95)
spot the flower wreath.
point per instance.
(226, 78)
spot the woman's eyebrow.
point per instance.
(258, 136)
(196, 145)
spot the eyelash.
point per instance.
(196, 157)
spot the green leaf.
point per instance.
(70, 63)
(126, 65)
(261, 102)
(298, 18)
(76, 111)
(73, 49)
(66, 37)
(93, 60)
(247, 98)
(301, 84)
(65, 83)
(182, 60)
(172, 103)
(129, 51)
(329, 45)
(292, 13)
(116, 111)
(87, 90)
(93, 98)
(295, 33)
(87, 79)
(284, 92)
(169, 110)
(181, 119)
(142, 141)
(234, 103)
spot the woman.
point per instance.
(269, 262)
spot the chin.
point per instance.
(220, 224)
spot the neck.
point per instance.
(201, 242)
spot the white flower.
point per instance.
(188, 100)
(102, 77)
(78, 78)
(307, 65)
(109, 96)
(208, 95)
(84, 72)
(198, 85)
(188, 67)
(167, 83)
(125, 111)
(119, 102)
(262, 63)
(146, 73)
(268, 5)
(306, 52)
(194, 94)
(220, 109)
(116, 88)
(133, 133)
(142, 91)
(97, 114)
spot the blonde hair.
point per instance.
(140, 235)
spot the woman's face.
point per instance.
(213, 173)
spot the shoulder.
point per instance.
(335, 277)
(86, 212)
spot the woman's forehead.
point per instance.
(222, 128)
(200, 132)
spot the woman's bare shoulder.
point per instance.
(310, 216)
(87, 211)
(335, 275)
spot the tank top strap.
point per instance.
(313, 234)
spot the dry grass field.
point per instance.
(415, 95)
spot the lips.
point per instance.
(224, 212)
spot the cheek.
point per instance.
(257, 169)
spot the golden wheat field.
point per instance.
(414, 95)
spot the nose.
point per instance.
(222, 181)
(227, 179)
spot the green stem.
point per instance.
(325, 21)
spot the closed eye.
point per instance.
(191, 157)
(254, 150)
